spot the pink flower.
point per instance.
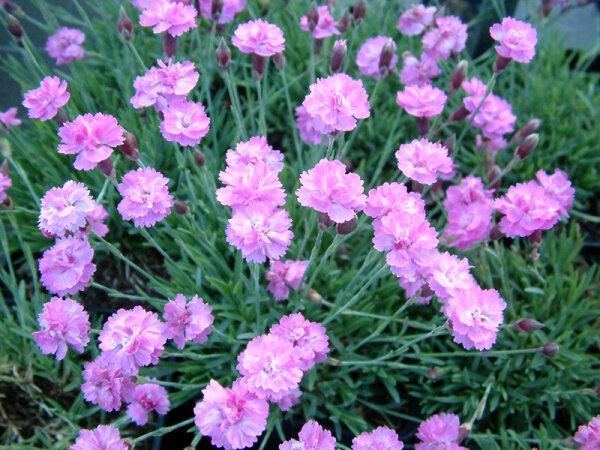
(527, 208)
(184, 122)
(259, 37)
(475, 315)
(589, 435)
(65, 45)
(174, 18)
(450, 36)
(232, 417)
(105, 385)
(558, 187)
(422, 160)
(517, 39)
(62, 322)
(493, 145)
(146, 198)
(254, 151)
(146, 398)
(312, 437)
(393, 197)
(414, 20)
(44, 101)
(131, 339)
(450, 276)
(67, 267)
(336, 102)
(327, 188)
(309, 132)
(95, 222)
(418, 72)
(326, 26)
(379, 438)
(309, 339)
(91, 138)
(414, 283)
(187, 321)
(439, 432)
(8, 118)
(289, 400)
(104, 437)
(5, 183)
(369, 55)
(260, 232)
(421, 101)
(283, 276)
(230, 9)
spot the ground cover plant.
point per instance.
(293, 225)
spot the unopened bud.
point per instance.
(359, 11)
(385, 58)
(324, 221)
(107, 168)
(547, 6)
(199, 158)
(535, 239)
(14, 26)
(130, 146)
(347, 227)
(432, 374)
(4, 169)
(223, 55)
(318, 46)
(10, 7)
(450, 143)
(60, 117)
(124, 25)
(423, 124)
(550, 349)
(338, 54)
(5, 148)
(459, 114)
(463, 432)
(500, 64)
(528, 325)
(313, 16)
(259, 63)
(496, 233)
(344, 22)
(180, 207)
(330, 4)
(279, 60)
(314, 296)
(527, 146)
(493, 176)
(342, 250)
(459, 74)
(216, 8)
(529, 128)
(169, 45)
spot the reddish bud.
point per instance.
(529, 128)
(279, 60)
(324, 221)
(180, 207)
(4, 169)
(60, 118)
(338, 54)
(314, 296)
(387, 53)
(347, 227)
(313, 16)
(423, 124)
(550, 349)
(432, 374)
(493, 176)
(459, 74)
(169, 45)
(528, 325)
(496, 233)
(10, 7)
(463, 432)
(107, 168)
(130, 146)
(223, 55)
(199, 158)
(7, 202)
(359, 11)
(527, 146)
(450, 143)
(124, 25)
(14, 26)
(344, 22)
(459, 114)
(535, 239)
(259, 63)
(318, 46)
(216, 8)
(500, 64)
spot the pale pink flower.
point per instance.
(422, 160)
(62, 323)
(449, 36)
(369, 55)
(105, 385)
(326, 26)
(336, 102)
(104, 437)
(493, 145)
(189, 321)
(589, 435)
(311, 437)
(415, 71)
(380, 438)
(8, 118)
(284, 275)
(95, 222)
(450, 276)
(414, 283)
(439, 432)
(146, 197)
(230, 9)
(517, 39)
(5, 183)
(309, 132)
(65, 45)
(174, 18)
(289, 400)
(393, 197)
(259, 37)
(327, 188)
(253, 151)
(43, 103)
(232, 417)
(558, 187)
(185, 123)
(413, 21)
(142, 4)
(67, 267)
(147, 398)
(421, 101)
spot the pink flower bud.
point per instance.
(493, 177)
(338, 54)
(359, 11)
(180, 207)
(459, 114)
(14, 26)
(169, 45)
(535, 239)
(199, 158)
(528, 325)
(130, 146)
(313, 17)
(423, 124)
(324, 221)
(216, 8)
(344, 22)
(463, 432)
(550, 349)
(223, 55)
(60, 118)
(496, 233)
(124, 25)
(529, 128)
(527, 146)
(259, 63)
(450, 143)
(107, 168)
(459, 74)
(387, 53)
(500, 64)
(318, 46)
(347, 227)
(279, 60)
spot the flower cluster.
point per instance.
(65, 45)
(43, 103)
(187, 321)
(285, 275)
(169, 16)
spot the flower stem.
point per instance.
(255, 269)
(261, 110)
(292, 119)
(164, 430)
(313, 255)
(235, 105)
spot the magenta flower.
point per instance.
(336, 102)
(187, 321)
(62, 322)
(413, 21)
(131, 339)
(393, 197)
(558, 187)
(422, 160)
(327, 188)
(65, 45)
(415, 71)
(104, 437)
(43, 102)
(147, 398)
(230, 9)
(184, 122)
(255, 150)
(232, 417)
(379, 438)
(369, 55)
(326, 25)
(440, 431)
(146, 198)
(105, 385)
(517, 39)
(5, 183)
(283, 276)
(589, 435)
(421, 101)
(259, 37)
(174, 18)
(449, 36)
(66, 268)
(450, 276)
(312, 436)
(8, 118)
(307, 129)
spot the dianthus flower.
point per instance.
(475, 315)
(184, 122)
(589, 435)
(104, 437)
(259, 37)
(5, 183)
(414, 283)
(422, 160)
(393, 197)
(309, 133)
(146, 197)
(174, 18)
(517, 39)
(369, 55)
(232, 417)
(105, 385)
(230, 9)
(65, 45)
(415, 71)
(439, 432)
(283, 276)
(62, 322)
(450, 276)
(43, 103)
(67, 267)
(492, 145)
(526, 208)
(327, 188)
(325, 27)
(289, 400)
(260, 232)
(309, 339)
(336, 102)
(253, 151)
(146, 398)
(379, 438)
(189, 321)
(449, 36)
(91, 138)
(8, 118)
(131, 339)
(141, 4)
(413, 21)
(95, 222)
(558, 187)
(311, 437)
(421, 101)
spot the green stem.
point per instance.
(332, 248)
(329, 152)
(234, 105)
(292, 119)
(136, 55)
(115, 251)
(261, 110)
(164, 430)
(255, 269)
(313, 255)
